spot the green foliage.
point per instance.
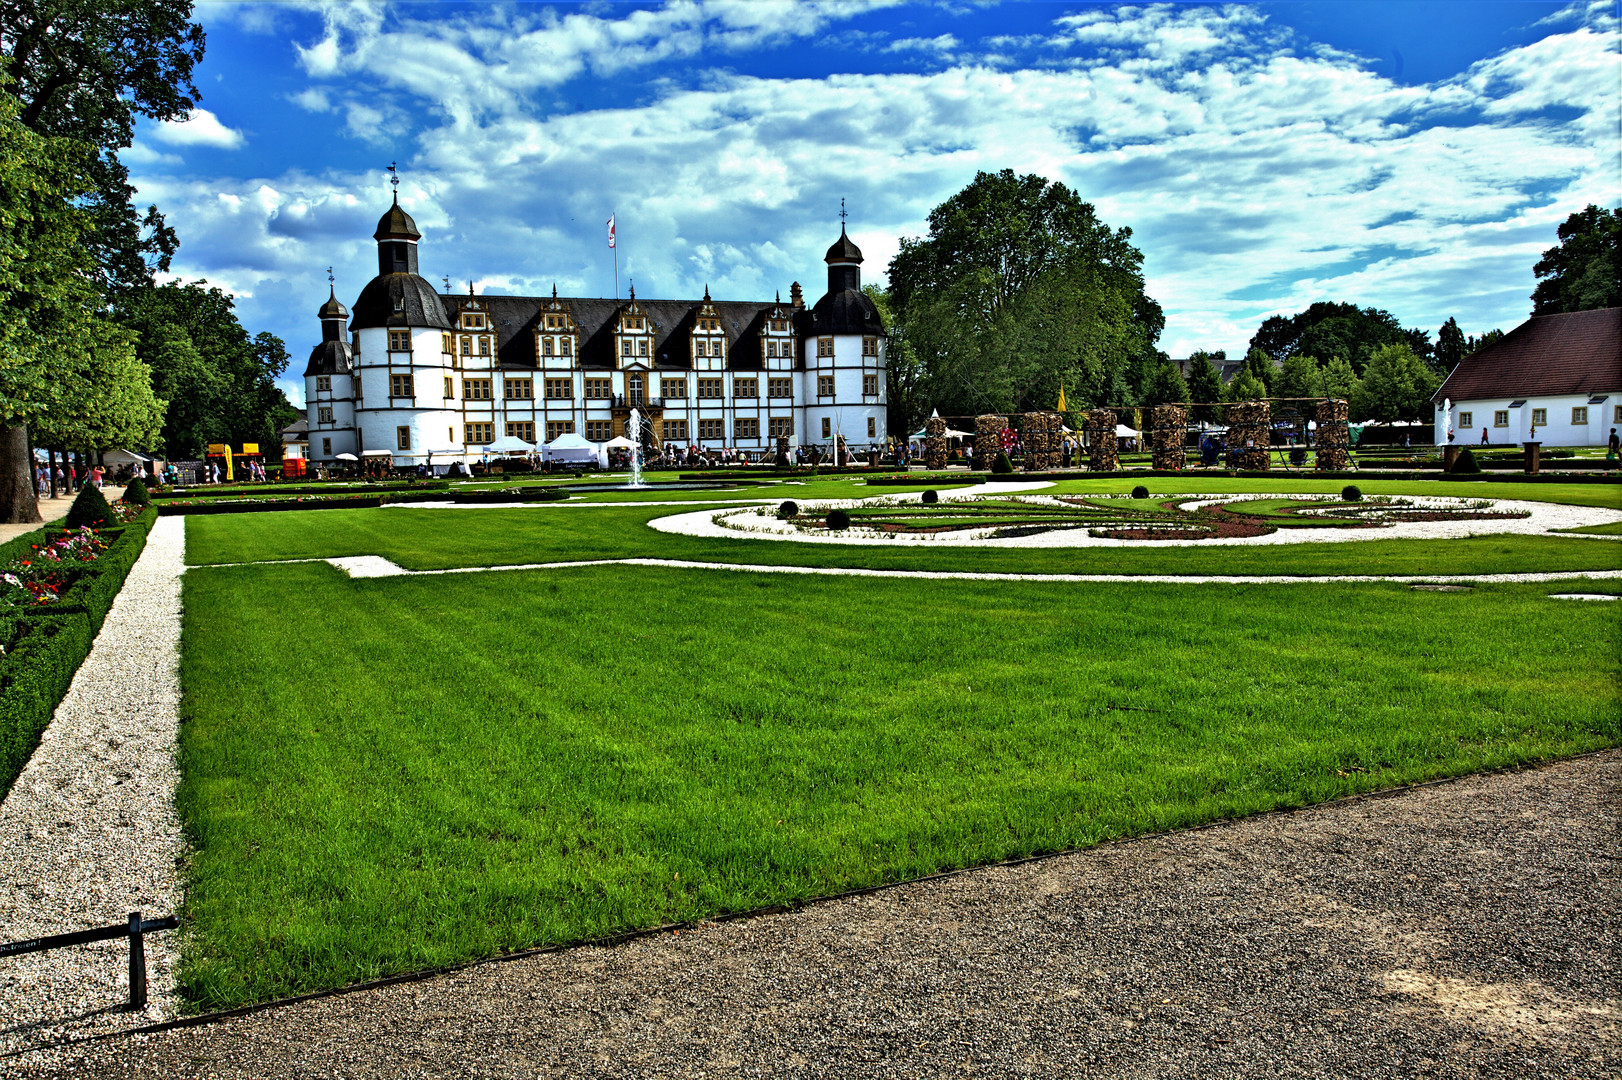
(931, 497)
(1396, 385)
(1466, 462)
(1246, 386)
(218, 382)
(1584, 270)
(1140, 492)
(1019, 288)
(1300, 377)
(36, 668)
(1164, 385)
(837, 518)
(85, 70)
(1336, 329)
(1339, 380)
(89, 508)
(1476, 344)
(135, 492)
(1450, 346)
(1351, 493)
(1001, 464)
(1205, 383)
(788, 509)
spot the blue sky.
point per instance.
(1413, 156)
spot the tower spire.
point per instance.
(394, 180)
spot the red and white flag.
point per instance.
(611, 230)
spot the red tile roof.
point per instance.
(1578, 352)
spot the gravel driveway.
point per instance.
(1465, 929)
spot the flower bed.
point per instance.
(56, 587)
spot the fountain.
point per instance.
(633, 431)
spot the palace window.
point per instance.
(554, 428)
(566, 345)
(323, 415)
(524, 389)
(1467, 419)
(480, 434)
(326, 447)
(779, 325)
(870, 385)
(771, 350)
(521, 429)
(625, 347)
(599, 430)
(745, 388)
(872, 427)
(445, 345)
(633, 389)
(780, 427)
(484, 346)
(1500, 418)
(1617, 417)
(642, 347)
(825, 346)
(673, 388)
(467, 346)
(1579, 416)
(746, 428)
(450, 388)
(323, 382)
(870, 346)
(827, 428)
(559, 388)
(710, 429)
(546, 346)
(599, 388)
(780, 388)
(402, 438)
(472, 321)
(825, 386)
(1540, 417)
(709, 388)
(399, 341)
(400, 386)
(675, 431)
(476, 389)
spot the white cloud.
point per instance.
(943, 43)
(1259, 173)
(200, 128)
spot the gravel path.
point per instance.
(1465, 929)
(88, 833)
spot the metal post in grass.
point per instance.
(137, 964)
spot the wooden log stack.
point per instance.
(1249, 435)
(781, 458)
(988, 438)
(1101, 452)
(1333, 438)
(934, 443)
(1042, 433)
(1168, 431)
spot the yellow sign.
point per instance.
(216, 448)
(250, 448)
(229, 474)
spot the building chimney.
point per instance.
(796, 297)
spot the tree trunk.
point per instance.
(50, 466)
(18, 506)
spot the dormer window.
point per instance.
(546, 346)
(484, 346)
(467, 346)
(472, 321)
(566, 346)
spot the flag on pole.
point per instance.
(611, 230)
(1061, 398)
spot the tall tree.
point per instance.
(1336, 329)
(219, 383)
(1584, 270)
(1205, 382)
(1449, 346)
(85, 69)
(1019, 288)
(1300, 377)
(1396, 385)
(1165, 385)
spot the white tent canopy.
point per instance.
(1124, 432)
(572, 448)
(510, 444)
(949, 433)
(375, 453)
(619, 441)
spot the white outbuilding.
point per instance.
(1555, 379)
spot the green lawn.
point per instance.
(386, 775)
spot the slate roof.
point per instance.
(396, 224)
(516, 319)
(398, 300)
(1578, 352)
(301, 426)
(844, 250)
(330, 358)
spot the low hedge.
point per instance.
(44, 646)
(282, 491)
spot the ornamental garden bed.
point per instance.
(56, 587)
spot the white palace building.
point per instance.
(431, 376)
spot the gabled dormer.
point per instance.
(633, 336)
(474, 342)
(777, 336)
(707, 341)
(557, 335)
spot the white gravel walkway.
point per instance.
(88, 833)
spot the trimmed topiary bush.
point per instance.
(837, 519)
(1467, 462)
(90, 508)
(1140, 492)
(1351, 493)
(788, 509)
(931, 496)
(1001, 464)
(135, 492)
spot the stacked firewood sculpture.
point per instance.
(1042, 440)
(988, 438)
(1101, 455)
(1249, 435)
(934, 443)
(1333, 439)
(1168, 430)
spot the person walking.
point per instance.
(96, 474)
(1613, 449)
(1483, 436)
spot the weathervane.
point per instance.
(330, 279)
(842, 214)
(447, 280)
(394, 177)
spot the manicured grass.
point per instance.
(428, 770)
(421, 539)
